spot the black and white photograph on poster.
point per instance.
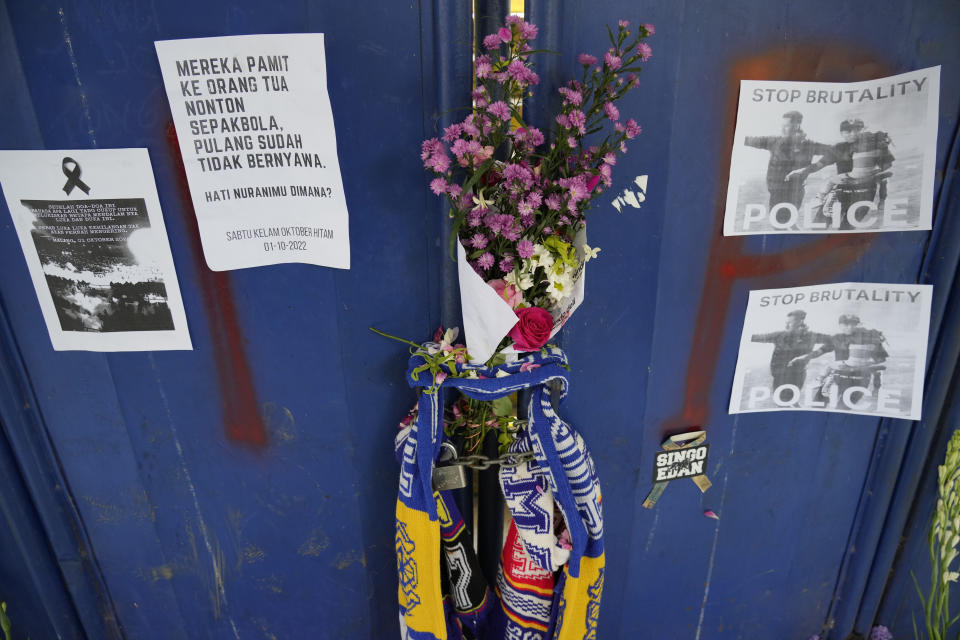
(850, 347)
(256, 134)
(91, 230)
(818, 157)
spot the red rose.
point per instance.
(532, 329)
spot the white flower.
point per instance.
(480, 201)
(589, 253)
(951, 576)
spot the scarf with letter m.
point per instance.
(545, 589)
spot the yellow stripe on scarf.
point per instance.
(580, 603)
(418, 563)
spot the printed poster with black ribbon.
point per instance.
(826, 157)
(92, 233)
(850, 347)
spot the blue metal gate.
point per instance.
(245, 488)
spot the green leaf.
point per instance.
(502, 406)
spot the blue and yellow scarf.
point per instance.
(562, 474)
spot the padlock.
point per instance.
(452, 476)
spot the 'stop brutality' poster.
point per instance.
(817, 157)
(90, 226)
(852, 347)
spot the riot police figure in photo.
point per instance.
(789, 347)
(863, 162)
(789, 152)
(859, 357)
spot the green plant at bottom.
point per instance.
(5, 622)
(944, 537)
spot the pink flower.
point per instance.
(452, 132)
(492, 41)
(505, 34)
(586, 59)
(592, 183)
(499, 109)
(624, 23)
(528, 366)
(525, 248)
(633, 129)
(438, 186)
(479, 241)
(509, 292)
(532, 329)
(650, 29)
(482, 67)
(485, 261)
(644, 51)
(611, 110)
(613, 62)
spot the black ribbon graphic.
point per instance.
(73, 176)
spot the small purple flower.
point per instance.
(506, 265)
(611, 110)
(525, 248)
(528, 31)
(578, 121)
(499, 109)
(649, 28)
(475, 217)
(505, 34)
(485, 261)
(536, 137)
(438, 186)
(633, 129)
(479, 241)
(644, 51)
(439, 163)
(492, 221)
(548, 231)
(624, 23)
(526, 220)
(483, 67)
(563, 121)
(586, 59)
(452, 132)
(571, 96)
(610, 158)
(613, 62)
(430, 147)
(492, 41)
(571, 142)
(553, 202)
(880, 632)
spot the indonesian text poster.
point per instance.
(851, 347)
(256, 133)
(817, 157)
(92, 233)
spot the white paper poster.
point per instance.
(819, 157)
(851, 347)
(92, 233)
(256, 134)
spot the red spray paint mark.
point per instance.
(728, 261)
(238, 396)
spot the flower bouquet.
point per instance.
(519, 204)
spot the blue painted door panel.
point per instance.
(796, 493)
(245, 489)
